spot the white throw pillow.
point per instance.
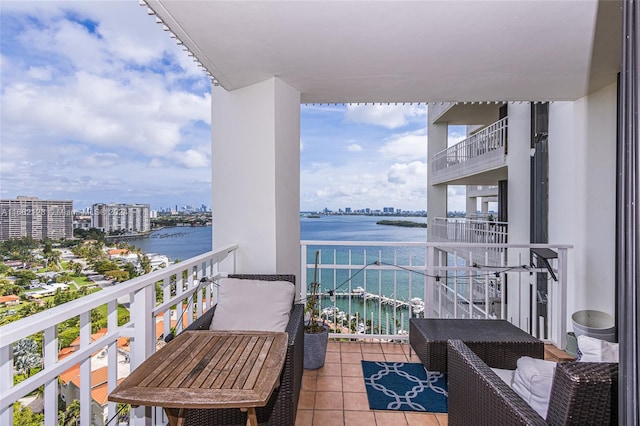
(532, 381)
(505, 375)
(596, 350)
(253, 305)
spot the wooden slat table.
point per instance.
(208, 369)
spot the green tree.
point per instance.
(23, 416)
(6, 288)
(144, 262)
(25, 277)
(102, 266)
(118, 275)
(63, 278)
(71, 415)
(5, 270)
(26, 356)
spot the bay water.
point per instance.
(181, 243)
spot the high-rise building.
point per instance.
(36, 218)
(130, 218)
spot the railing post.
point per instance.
(85, 369)
(430, 287)
(303, 273)
(6, 381)
(50, 346)
(561, 319)
(142, 343)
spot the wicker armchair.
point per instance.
(282, 407)
(583, 393)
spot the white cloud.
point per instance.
(192, 159)
(354, 147)
(389, 116)
(101, 160)
(407, 146)
(97, 98)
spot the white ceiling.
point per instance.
(395, 51)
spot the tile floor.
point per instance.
(335, 395)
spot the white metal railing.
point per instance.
(399, 280)
(464, 230)
(488, 140)
(177, 291)
(371, 289)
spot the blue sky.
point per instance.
(100, 105)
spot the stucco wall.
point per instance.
(582, 173)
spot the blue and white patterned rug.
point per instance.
(404, 387)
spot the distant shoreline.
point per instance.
(403, 223)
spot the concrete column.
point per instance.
(436, 194)
(472, 205)
(519, 188)
(485, 206)
(256, 175)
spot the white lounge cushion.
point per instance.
(532, 381)
(597, 350)
(505, 375)
(253, 305)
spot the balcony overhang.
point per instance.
(486, 177)
(388, 51)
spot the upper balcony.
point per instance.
(370, 290)
(485, 152)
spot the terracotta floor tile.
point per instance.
(359, 418)
(328, 401)
(329, 383)
(306, 400)
(390, 418)
(374, 357)
(392, 348)
(333, 346)
(332, 357)
(421, 419)
(309, 382)
(309, 373)
(351, 357)
(328, 418)
(371, 348)
(353, 384)
(330, 369)
(443, 419)
(350, 347)
(352, 370)
(395, 358)
(355, 401)
(336, 394)
(304, 418)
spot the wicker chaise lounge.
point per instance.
(283, 404)
(583, 393)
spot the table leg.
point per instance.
(252, 418)
(176, 416)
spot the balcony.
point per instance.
(484, 151)
(370, 290)
(464, 230)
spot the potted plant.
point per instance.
(316, 332)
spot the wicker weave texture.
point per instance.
(582, 394)
(283, 404)
(497, 342)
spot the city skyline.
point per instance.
(100, 105)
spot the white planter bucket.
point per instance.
(595, 324)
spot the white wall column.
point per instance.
(256, 175)
(582, 182)
(471, 205)
(436, 194)
(519, 187)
